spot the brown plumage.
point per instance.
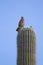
(20, 24)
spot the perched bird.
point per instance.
(20, 24)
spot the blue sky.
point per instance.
(10, 14)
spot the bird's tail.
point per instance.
(17, 29)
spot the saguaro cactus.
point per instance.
(26, 47)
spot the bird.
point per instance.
(20, 24)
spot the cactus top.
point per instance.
(27, 29)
